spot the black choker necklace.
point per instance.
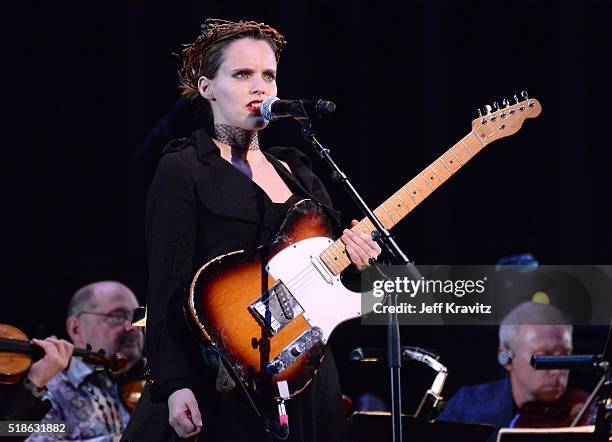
(236, 137)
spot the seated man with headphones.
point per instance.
(529, 329)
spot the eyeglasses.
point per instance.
(118, 317)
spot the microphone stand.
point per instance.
(382, 235)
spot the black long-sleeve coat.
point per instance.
(200, 207)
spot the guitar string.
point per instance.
(296, 281)
(299, 275)
(304, 280)
(304, 289)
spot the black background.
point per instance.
(86, 82)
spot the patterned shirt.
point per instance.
(88, 401)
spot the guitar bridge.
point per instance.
(275, 308)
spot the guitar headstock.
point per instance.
(505, 121)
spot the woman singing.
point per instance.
(213, 193)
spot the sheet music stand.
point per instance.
(375, 426)
(566, 434)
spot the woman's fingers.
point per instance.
(184, 414)
(360, 247)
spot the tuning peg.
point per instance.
(483, 120)
(488, 109)
(496, 106)
(516, 99)
(505, 102)
(525, 95)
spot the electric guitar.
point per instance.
(270, 314)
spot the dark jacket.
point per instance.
(489, 403)
(200, 207)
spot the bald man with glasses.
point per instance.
(99, 316)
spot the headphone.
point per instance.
(505, 357)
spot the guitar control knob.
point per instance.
(297, 350)
(275, 367)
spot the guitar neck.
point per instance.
(409, 196)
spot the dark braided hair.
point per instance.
(204, 56)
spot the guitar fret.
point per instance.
(381, 218)
(418, 188)
(468, 149)
(359, 227)
(332, 262)
(336, 259)
(478, 138)
(455, 155)
(434, 171)
(369, 224)
(414, 191)
(394, 205)
(444, 164)
(343, 257)
(408, 208)
(324, 259)
(388, 213)
(450, 162)
(426, 181)
(333, 250)
(402, 204)
(367, 227)
(410, 195)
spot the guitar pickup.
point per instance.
(268, 320)
(275, 308)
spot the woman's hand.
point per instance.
(57, 357)
(360, 247)
(184, 414)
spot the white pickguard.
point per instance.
(326, 302)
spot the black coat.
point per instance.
(200, 207)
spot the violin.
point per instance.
(560, 413)
(17, 354)
(131, 385)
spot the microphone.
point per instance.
(273, 108)
(570, 362)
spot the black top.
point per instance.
(200, 207)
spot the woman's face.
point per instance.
(246, 76)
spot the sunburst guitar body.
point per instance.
(270, 313)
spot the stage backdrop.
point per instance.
(90, 99)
